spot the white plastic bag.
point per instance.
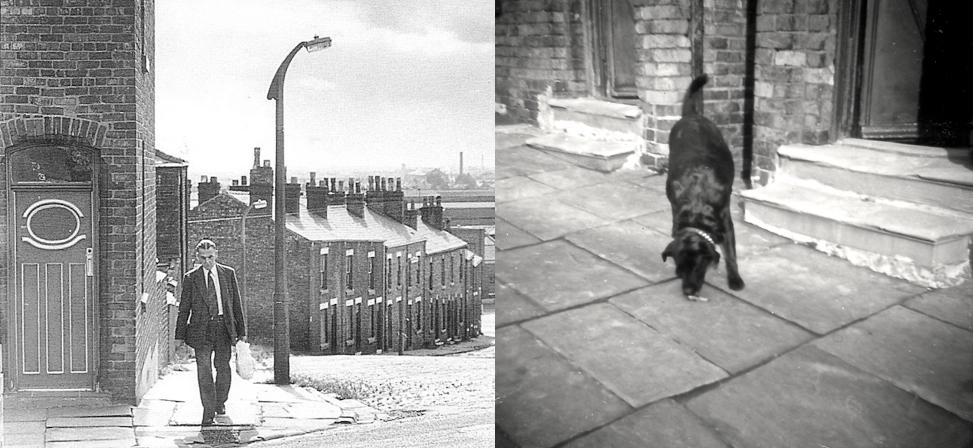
(244, 360)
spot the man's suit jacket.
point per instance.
(194, 306)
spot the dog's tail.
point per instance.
(691, 100)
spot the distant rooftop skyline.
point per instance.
(404, 82)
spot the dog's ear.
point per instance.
(670, 250)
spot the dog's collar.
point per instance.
(701, 233)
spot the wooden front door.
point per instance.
(54, 300)
(914, 62)
(51, 315)
(614, 48)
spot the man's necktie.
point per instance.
(209, 283)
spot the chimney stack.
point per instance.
(208, 188)
(394, 199)
(461, 163)
(292, 197)
(432, 212)
(376, 196)
(317, 197)
(355, 200)
(410, 215)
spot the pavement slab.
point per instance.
(547, 218)
(640, 177)
(120, 435)
(660, 222)
(662, 424)
(913, 351)
(629, 245)
(82, 422)
(809, 398)
(614, 200)
(572, 177)
(816, 291)
(519, 187)
(25, 415)
(314, 411)
(24, 440)
(725, 330)
(612, 345)
(153, 412)
(953, 305)
(92, 444)
(515, 307)
(523, 160)
(23, 427)
(532, 270)
(542, 399)
(510, 237)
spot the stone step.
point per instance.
(923, 244)
(600, 155)
(55, 399)
(925, 175)
(594, 118)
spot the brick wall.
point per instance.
(724, 59)
(538, 53)
(794, 75)
(84, 60)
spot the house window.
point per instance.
(398, 271)
(388, 275)
(442, 269)
(462, 268)
(324, 271)
(452, 269)
(408, 275)
(371, 272)
(419, 315)
(350, 263)
(324, 329)
(371, 309)
(418, 271)
(430, 275)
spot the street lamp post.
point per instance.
(282, 366)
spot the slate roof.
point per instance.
(372, 226)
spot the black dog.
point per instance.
(698, 187)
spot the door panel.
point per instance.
(53, 304)
(893, 62)
(614, 48)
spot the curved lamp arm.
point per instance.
(278, 83)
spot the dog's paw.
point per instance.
(695, 298)
(736, 283)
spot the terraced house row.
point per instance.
(367, 273)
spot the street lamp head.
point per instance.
(318, 43)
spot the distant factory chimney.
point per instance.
(461, 163)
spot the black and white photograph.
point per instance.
(247, 223)
(734, 223)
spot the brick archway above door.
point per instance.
(65, 130)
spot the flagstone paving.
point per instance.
(599, 348)
(169, 415)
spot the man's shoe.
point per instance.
(207, 422)
(221, 410)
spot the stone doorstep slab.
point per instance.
(84, 422)
(811, 198)
(594, 106)
(106, 411)
(35, 439)
(10, 428)
(96, 444)
(25, 415)
(604, 156)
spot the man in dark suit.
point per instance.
(211, 320)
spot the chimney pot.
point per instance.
(293, 180)
(398, 184)
(212, 180)
(267, 163)
(235, 182)
(313, 175)
(341, 185)
(243, 180)
(371, 181)
(204, 178)
(256, 157)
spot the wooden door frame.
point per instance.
(10, 357)
(848, 70)
(597, 81)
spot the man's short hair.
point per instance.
(205, 244)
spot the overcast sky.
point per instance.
(404, 82)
